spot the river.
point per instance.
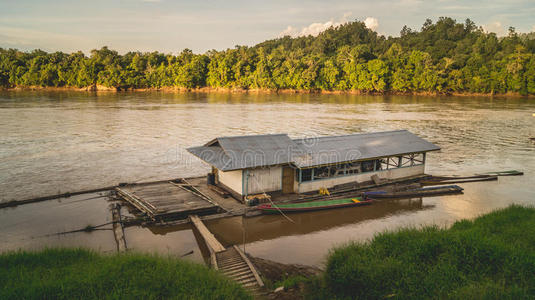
(53, 142)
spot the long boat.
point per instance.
(438, 180)
(504, 173)
(419, 192)
(314, 205)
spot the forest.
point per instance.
(443, 57)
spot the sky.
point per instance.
(169, 26)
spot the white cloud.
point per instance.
(495, 27)
(533, 28)
(371, 23)
(152, 1)
(315, 28)
(288, 31)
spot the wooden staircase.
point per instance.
(235, 264)
(230, 261)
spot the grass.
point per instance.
(491, 257)
(288, 282)
(78, 273)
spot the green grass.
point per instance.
(491, 257)
(77, 274)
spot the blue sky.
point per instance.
(170, 26)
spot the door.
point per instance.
(288, 177)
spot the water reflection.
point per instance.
(230, 231)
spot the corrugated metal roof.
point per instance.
(242, 152)
(337, 149)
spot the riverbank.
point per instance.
(100, 88)
(84, 274)
(492, 256)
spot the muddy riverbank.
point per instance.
(101, 88)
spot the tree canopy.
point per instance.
(445, 57)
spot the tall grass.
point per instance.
(84, 274)
(491, 257)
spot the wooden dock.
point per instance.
(168, 200)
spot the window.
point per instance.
(306, 174)
(353, 168)
(367, 166)
(413, 159)
(357, 167)
(338, 170)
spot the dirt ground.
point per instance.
(277, 272)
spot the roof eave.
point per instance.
(363, 159)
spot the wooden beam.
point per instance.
(213, 261)
(212, 243)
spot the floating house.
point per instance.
(254, 164)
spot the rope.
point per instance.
(269, 198)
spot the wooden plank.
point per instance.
(136, 202)
(183, 187)
(239, 273)
(136, 198)
(219, 191)
(246, 276)
(213, 260)
(118, 229)
(209, 238)
(240, 267)
(251, 266)
(201, 193)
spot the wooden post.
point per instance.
(118, 229)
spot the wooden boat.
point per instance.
(419, 192)
(504, 173)
(438, 180)
(314, 205)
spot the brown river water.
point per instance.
(52, 142)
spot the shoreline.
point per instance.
(104, 89)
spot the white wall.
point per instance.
(231, 179)
(315, 185)
(263, 180)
